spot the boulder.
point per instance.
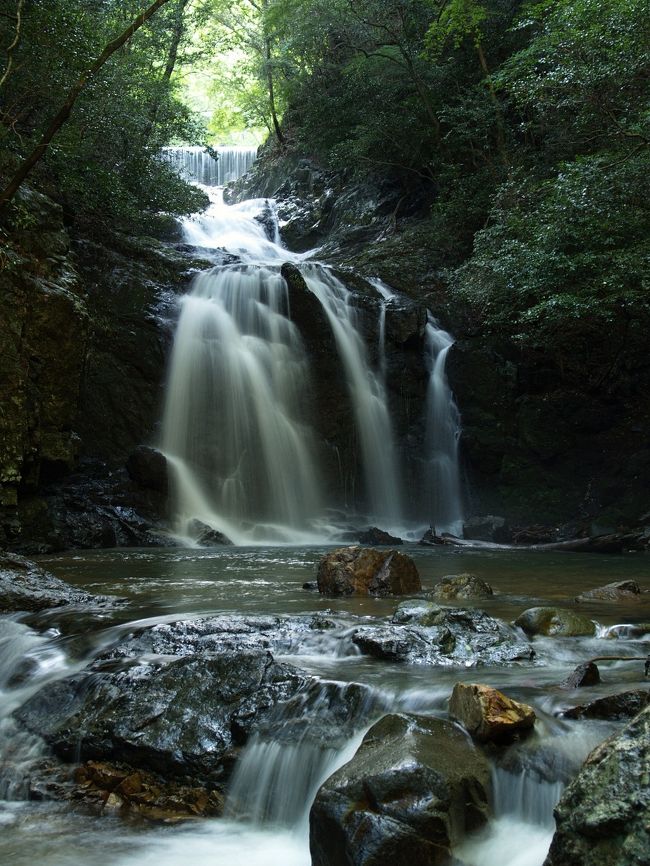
(422, 632)
(180, 719)
(622, 590)
(623, 705)
(603, 817)
(206, 535)
(488, 714)
(148, 468)
(24, 586)
(365, 571)
(585, 674)
(461, 586)
(373, 535)
(554, 622)
(413, 789)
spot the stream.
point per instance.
(277, 777)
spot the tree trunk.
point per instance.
(64, 112)
(172, 55)
(501, 139)
(14, 44)
(274, 115)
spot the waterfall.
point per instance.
(442, 489)
(242, 450)
(235, 425)
(367, 395)
(197, 165)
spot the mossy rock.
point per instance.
(555, 622)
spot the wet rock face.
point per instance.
(622, 590)
(365, 571)
(604, 815)
(43, 333)
(180, 718)
(413, 789)
(24, 586)
(425, 633)
(488, 714)
(462, 586)
(554, 622)
(148, 468)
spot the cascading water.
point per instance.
(198, 165)
(367, 396)
(236, 425)
(443, 499)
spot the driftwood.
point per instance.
(597, 544)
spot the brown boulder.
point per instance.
(488, 714)
(366, 571)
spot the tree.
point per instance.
(64, 111)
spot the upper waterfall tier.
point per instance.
(197, 165)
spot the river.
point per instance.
(170, 584)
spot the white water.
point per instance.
(197, 165)
(442, 474)
(236, 426)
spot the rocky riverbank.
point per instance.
(156, 720)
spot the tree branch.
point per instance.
(14, 44)
(64, 112)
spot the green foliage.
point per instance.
(564, 256)
(104, 165)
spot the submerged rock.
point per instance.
(623, 705)
(622, 590)
(554, 622)
(462, 586)
(603, 817)
(488, 714)
(422, 632)
(363, 571)
(413, 789)
(373, 535)
(585, 674)
(111, 786)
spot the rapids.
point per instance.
(281, 768)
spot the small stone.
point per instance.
(462, 586)
(586, 674)
(488, 714)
